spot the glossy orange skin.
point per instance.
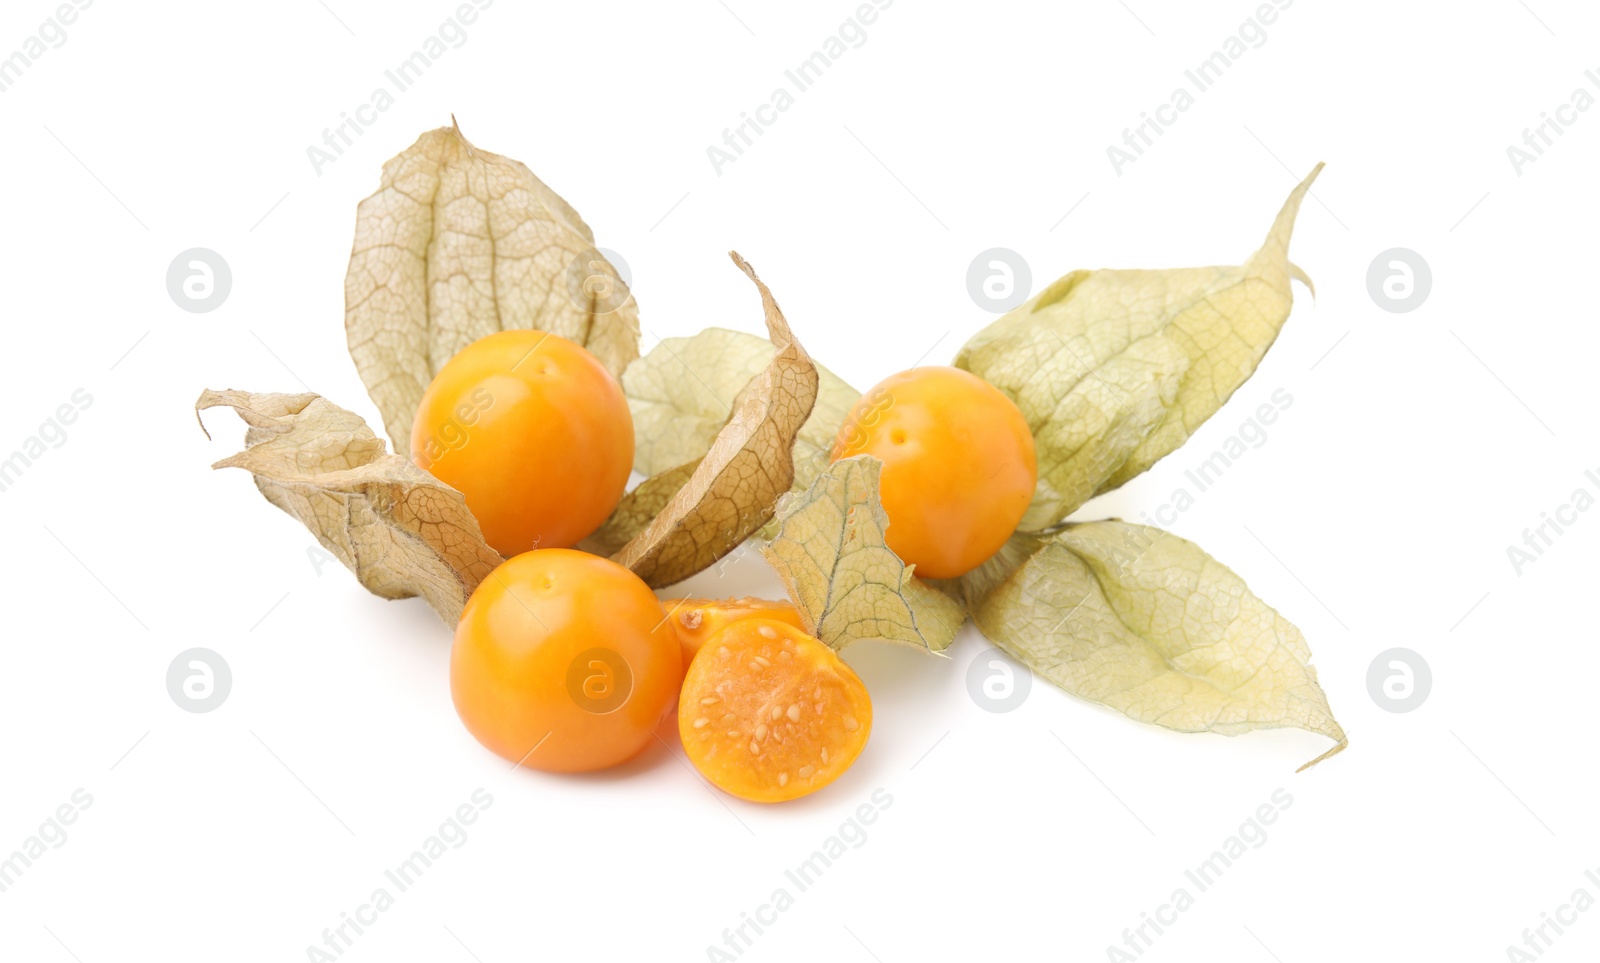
(564, 661)
(534, 431)
(697, 620)
(769, 713)
(958, 465)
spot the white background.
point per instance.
(1418, 447)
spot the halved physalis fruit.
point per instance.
(768, 713)
(697, 620)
